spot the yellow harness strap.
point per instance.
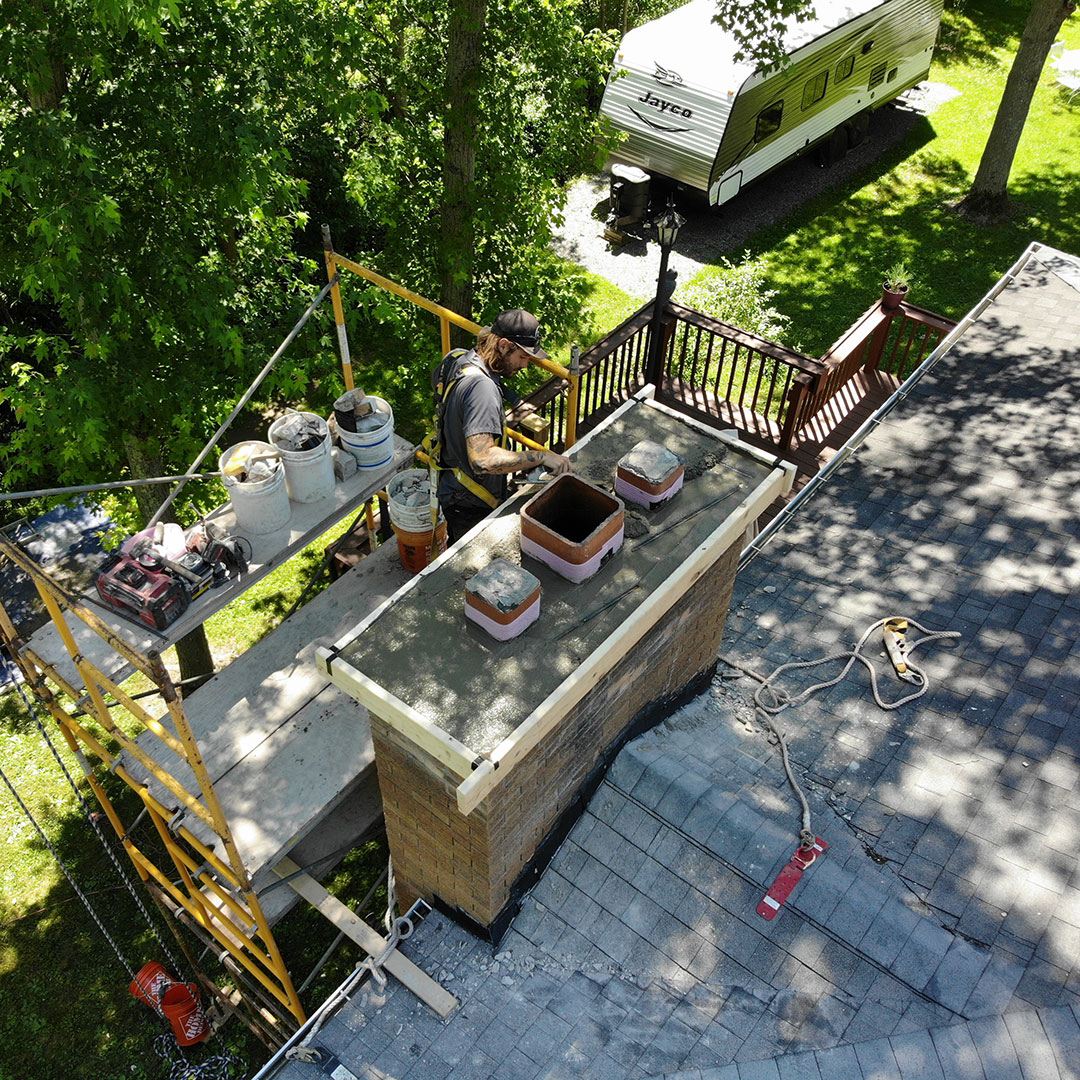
(432, 445)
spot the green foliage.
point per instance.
(147, 213)
(536, 132)
(623, 15)
(898, 277)
(738, 293)
(759, 26)
(169, 168)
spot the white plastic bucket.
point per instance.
(261, 506)
(410, 518)
(309, 474)
(372, 449)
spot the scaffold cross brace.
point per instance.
(789, 877)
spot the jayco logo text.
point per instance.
(664, 106)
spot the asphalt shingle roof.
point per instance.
(939, 936)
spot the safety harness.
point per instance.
(443, 383)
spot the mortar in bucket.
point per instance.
(372, 443)
(258, 495)
(303, 440)
(409, 501)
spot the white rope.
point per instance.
(806, 833)
(779, 700)
(396, 931)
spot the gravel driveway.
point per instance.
(708, 234)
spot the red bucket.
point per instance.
(151, 982)
(180, 1004)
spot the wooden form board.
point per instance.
(480, 773)
(371, 941)
(308, 521)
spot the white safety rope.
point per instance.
(769, 700)
(780, 700)
(396, 931)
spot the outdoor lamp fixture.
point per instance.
(667, 225)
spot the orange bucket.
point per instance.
(180, 1004)
(151, 982)
(414, 548)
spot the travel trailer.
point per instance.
(690, 112)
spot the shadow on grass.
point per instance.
(67, 1010)
(841, 244)
(974, 31)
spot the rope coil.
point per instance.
(769, 701)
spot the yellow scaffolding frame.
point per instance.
(215, 894)
(446, 318)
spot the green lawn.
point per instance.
(67, 1011)
(826, 261)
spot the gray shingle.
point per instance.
(957, 1054)
(1037, 1059)
(995, 1048)
(802, 1066)
(1063, 1031)
(957, 974)
(877, 1061)
(838, 1063)
(758, 1070)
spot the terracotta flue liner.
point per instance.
(571, 526)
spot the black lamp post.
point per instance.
(667, 230)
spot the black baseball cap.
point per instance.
(522, 328)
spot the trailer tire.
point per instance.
(857, 127)
(833, 147)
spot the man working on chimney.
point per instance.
(472, 460)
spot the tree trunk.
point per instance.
(988, 199)
(192, 650)
(48, 78)
(465, 35)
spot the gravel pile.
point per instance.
(711, 233)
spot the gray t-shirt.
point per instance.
(473, 407)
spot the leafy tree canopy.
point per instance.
(164, 170)
(759, 26)
(147, 212)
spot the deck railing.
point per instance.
(731, 378)
(894, 342)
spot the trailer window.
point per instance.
(814, 90)
(892, 75)
(768, 121)
(845, 68)
(877, 76)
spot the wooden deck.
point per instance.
(816, 444)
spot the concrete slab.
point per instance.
(426, 655)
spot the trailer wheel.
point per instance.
(857, 127)
(833, 147)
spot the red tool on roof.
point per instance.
(789, 877)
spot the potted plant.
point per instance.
(895, 286)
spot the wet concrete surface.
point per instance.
(426, 653)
